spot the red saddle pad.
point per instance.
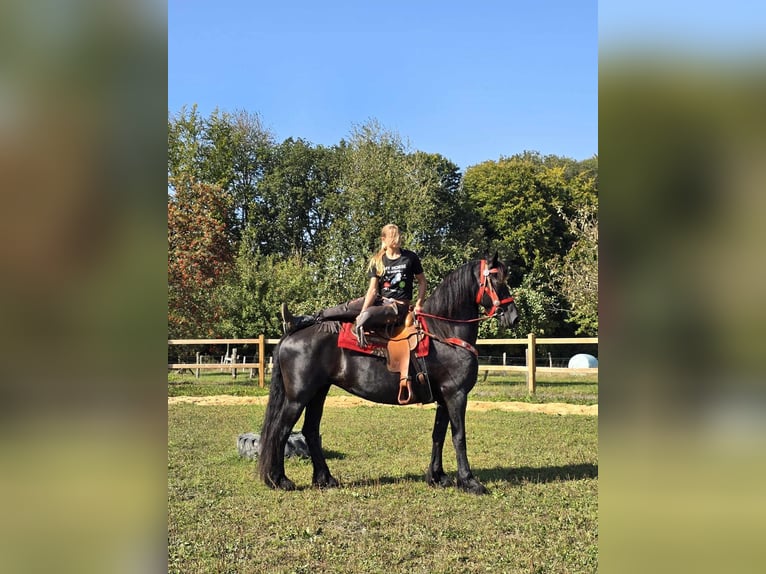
(347, 340)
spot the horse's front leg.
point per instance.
(435, 475)
(456, 406)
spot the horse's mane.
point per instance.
(450, 296)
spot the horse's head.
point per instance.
(494, 293)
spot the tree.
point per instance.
(383, 182)
(304, 219)
(577, 272)
(519, 200)
(527, 204)
(290, 215)
(227, 150)
(185, 134)
(446, 230)
(372, 190)
(260, 283)
(200, 256)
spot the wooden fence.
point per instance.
(259, 364)
(230, 363)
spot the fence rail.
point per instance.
(229, 363)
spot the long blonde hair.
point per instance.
(390, 232)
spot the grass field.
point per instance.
(551, 387)
(540, 515)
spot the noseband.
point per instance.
(486, 287)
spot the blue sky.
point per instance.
(470, 81)
(684, 27)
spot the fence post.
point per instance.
(196, 371)
(261, 360)
(531, 382)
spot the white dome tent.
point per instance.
(583, 361)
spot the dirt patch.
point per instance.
(343, 401)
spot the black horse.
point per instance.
(308, 361)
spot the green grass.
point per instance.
(540, 515)
(551, 387)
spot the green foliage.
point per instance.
(577, 273)
(517, 199)
(260, 284)
(185, 133)
(538, 309)
(303, 221)
(445, 228)
(541, 213)
(228, 150)
(199, 257)
(291, 213)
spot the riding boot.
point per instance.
(359, 328)
(375, 316)
(292, 323)
(287, 319)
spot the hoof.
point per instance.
(282, 483)
(472, 486)
(326, 482)
(438, 479)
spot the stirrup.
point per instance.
(405, 395)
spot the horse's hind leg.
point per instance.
(291, 412)
(435, 475)
(322, 477)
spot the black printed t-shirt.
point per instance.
(398, 275)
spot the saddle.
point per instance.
(401, 348)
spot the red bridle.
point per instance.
(485, 287)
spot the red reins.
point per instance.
(485, 287)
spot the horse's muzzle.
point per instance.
(509, 316)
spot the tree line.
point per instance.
(253, 222)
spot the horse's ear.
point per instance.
(494, 261)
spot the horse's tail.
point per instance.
(271, 424)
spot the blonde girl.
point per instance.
(392, 273)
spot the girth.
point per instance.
(398, 345)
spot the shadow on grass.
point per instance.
(511, 475)
(524, 474)
(333, 454)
